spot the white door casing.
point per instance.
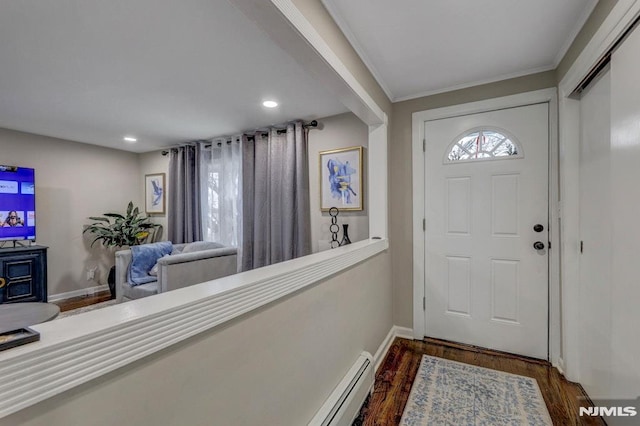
(485, 284)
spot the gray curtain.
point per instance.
(183, 218)
(275, 196)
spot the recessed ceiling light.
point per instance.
(130, 139)
(270, 104)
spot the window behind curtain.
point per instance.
(221, 186)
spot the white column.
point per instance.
(377, 192)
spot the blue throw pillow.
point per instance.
(143, 258)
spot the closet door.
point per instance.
(625, 217)
(595, 235)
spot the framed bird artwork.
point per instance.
(154, 193)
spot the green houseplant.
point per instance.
(115, 230)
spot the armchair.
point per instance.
(209, 262)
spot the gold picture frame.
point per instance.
(341, 183)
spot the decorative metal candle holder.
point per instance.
(334, 228)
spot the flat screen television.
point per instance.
(17, 203)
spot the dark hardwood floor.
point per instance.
(82, 301)
(395, 377)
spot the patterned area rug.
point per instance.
(451, 393)
(86, 309)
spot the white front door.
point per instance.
(486, 189)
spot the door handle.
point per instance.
(538, 245)
(2, 282)
(538, 228)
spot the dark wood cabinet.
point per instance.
(23, 274)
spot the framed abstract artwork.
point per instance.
(341, 183)
(154, 193)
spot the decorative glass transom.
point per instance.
(483, 145)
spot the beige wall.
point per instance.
(321, 20)
(598, 15)
(152, 163)
(275, 366)
(400, 176)
(73, 181)
(340, 131)
(79, 179)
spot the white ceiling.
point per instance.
(164, 71)
(417, 48)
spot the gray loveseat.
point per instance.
(205, 261)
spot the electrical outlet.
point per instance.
(91, 273)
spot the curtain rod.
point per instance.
(310, 125)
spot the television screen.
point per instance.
(17, 203)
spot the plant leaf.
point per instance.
(116, 215)
(100, 219)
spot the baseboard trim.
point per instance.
(78, 293)
(404, 332)
(559, 365)
(395, 331)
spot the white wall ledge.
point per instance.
(76, 349)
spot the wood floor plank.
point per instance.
(82, 301)
(397, 372)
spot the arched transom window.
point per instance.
(483, 144)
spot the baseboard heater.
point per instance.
(344, 403)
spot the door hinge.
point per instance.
(424, 145)
(424, 303)
(581, 246)
(424, 224)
